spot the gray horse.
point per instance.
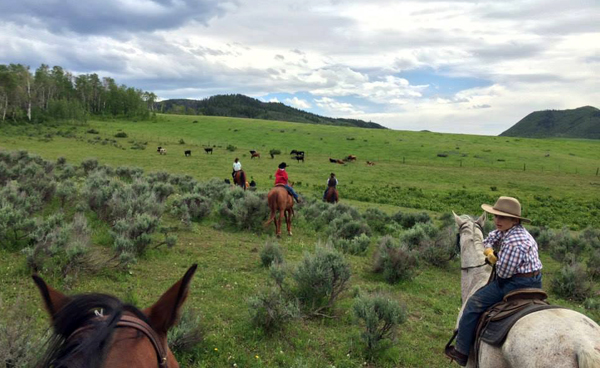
(549, 338)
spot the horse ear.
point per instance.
(164, 313)
(459, 221)
(54, 300)
(481, 220)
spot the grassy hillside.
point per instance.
(240, 106)
(583, 122)
(558, 187)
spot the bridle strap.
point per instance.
(143, 327)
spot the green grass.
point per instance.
(408, 176)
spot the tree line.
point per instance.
(54, 93)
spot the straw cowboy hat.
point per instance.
(506, 206)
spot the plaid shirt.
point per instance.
(518, 251)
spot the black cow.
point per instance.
(252, 183)
(187, 153)
(207, 150)
(297, 153)
(227, 181)
(252, 152)
(299, 158)
(333, 160)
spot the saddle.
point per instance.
(496, 322)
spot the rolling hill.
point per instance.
(240, 106)
(583, 122)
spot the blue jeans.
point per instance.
(291, 191)
(482, 300)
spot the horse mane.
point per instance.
(85, 349)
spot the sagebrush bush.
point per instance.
(593, 264)
(439, 250)
(185, 183)
(89, 165)
(191, 207)
(394, 260)
(128, 173)
(357, 245)
(20, 343)
(162, 191)
(347, 228)
(572, 283)
(565, 244)
(271, 253)
(66, 192)
(215, 189)
(418, 235)
(243, 209)
(377, 219)
(187, 334)
(379, 316)
(408, 220)
(132, 235)
(544, 239)
(270, 310)
(320, 278)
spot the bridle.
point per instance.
(127, 321)
(458, 245)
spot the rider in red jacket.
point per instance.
(281, 177)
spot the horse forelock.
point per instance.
(98, 315)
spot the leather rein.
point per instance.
(458, 246)
(138, 324)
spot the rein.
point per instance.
(138, 324)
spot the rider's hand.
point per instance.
(490, 256)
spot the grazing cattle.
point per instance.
(227, 181)
(281, 203)
(370, 163)
(187, 153)
(252, 184)
(295, 152)
(158, 149)
(351, 158)
(340, 162)
(207, 150)
(99, 330)
(252, 152)
(333, 160)
(162, 151)
(299, 158)
(255, 154)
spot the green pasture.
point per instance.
(555, 179)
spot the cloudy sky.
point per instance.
(456, 66)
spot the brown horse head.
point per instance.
(332, 195)
(240, 179)
(281, 203)
(98, 330)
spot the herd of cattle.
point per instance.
(295, 154)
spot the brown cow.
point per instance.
(341, 162)
(370, 163)
(351, 158)
(255, 154)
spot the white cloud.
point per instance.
(298, 103)
(336, 107)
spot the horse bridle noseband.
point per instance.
(141, 326)
(458, 246)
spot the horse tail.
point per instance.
(243, 174)
(588, 356)
(272, 208)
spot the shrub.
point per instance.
(191, 207)
(380, 317)
(162, 191)
(377, 219)
(394, 260)
(121, 135)
(214, 189)
(438, 251)
(181, 141)
(20, 343)
(65, 191)
(572, 283)
(231, 148)
(61, 161)
(270, 310)
(89, 165)
(187, 334)
(408, 220)
(270, 253)
(274, 152)
(357, 245)
(418, 235)
(347, 228)
(565, 244)
(320, 278)
(544, 239)
(592, 304)
(129, 173)
(133, 234)
(244, 210)
(93, 131)
(593, 264)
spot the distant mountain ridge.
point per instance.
(240, 106)
(583, 122)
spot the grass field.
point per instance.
(558, 186)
